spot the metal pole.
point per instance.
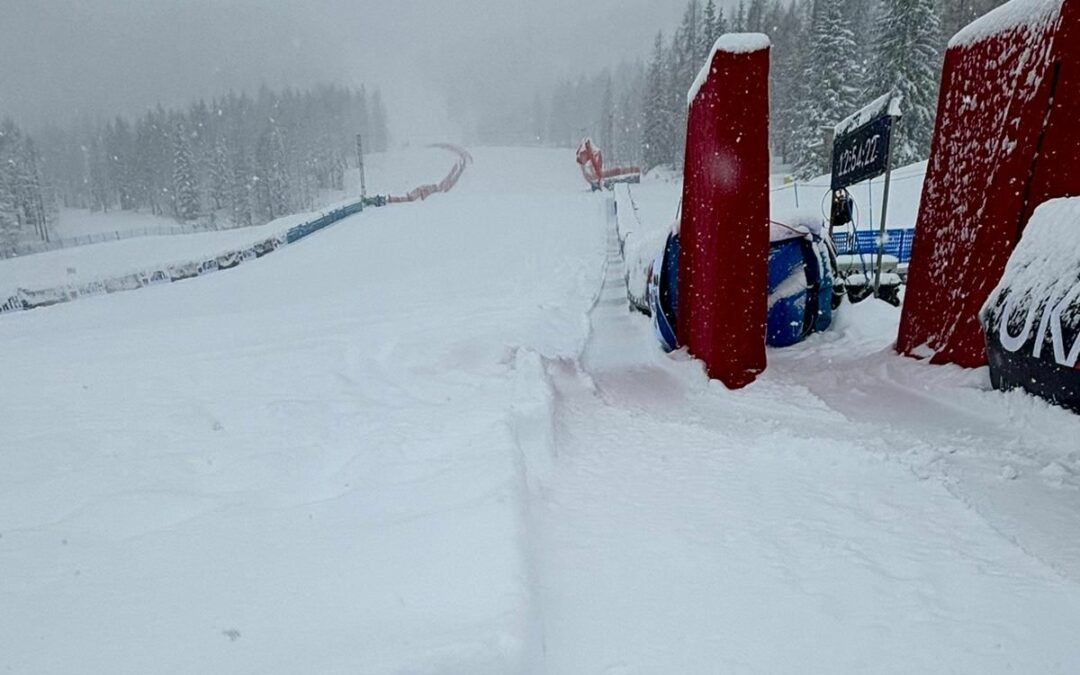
(884, 215)
(360, 164)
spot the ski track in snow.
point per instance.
(433, 439)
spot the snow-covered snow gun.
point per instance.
(591, 161)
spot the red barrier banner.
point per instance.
(724, 231)
(445, 185)
(1006, 140)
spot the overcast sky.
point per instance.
(63, 58)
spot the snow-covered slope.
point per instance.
(307, 464)
(388, 173)
(433, 440)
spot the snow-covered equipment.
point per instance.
(664, 293)
(800, 294)
(1032, 319)
(1006, 140)
(801, 281)
(723, 280)
(591, 160)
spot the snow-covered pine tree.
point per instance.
(657, 141)
(829, 90)
(118, 157)
(755, 16)
(722, 25)
(241, 190)
(789, 44)
(709, 30)
(686, 63)
(29, 198)
(273, 187)
(955, 14)
(606, 123)
(906, 60)
(9, 222)
(738, 20)
(220, 174)
(98, 175)
(185, 187)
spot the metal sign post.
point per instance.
(863, 150)
(360, 164)
(884, 222)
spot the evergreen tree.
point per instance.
(710, 30)
(607, 117)
(142, 164)
(23, 213)
(738, 21)
(98, 175)
(185, 188)
(785, 84)
(906, 60)
(241, 190)
(119, 147)
(955, 14)
(9, 222)
(220, 175)
(829, 90)
(684, 67)
(657, 132)
(273, 189)
(755, 16)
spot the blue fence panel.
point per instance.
(905, 247)
(865, 241)
(897, 244)
(840, 241)
(894, 240)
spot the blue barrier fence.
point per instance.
(897, 243)
(25, 299)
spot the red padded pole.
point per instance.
(724, 232)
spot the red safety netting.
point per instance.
(445, 185)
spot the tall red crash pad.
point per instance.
(724, 231)
(1006, 140)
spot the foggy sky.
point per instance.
(61, 59)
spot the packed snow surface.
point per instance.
(433, 440)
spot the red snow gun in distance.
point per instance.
(591, 161)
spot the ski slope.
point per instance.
(432, 439)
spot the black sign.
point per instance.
(1033, 343)
(862, 154)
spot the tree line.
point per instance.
(238, 159)
(829, 58)
(24, 210)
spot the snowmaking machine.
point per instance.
(591, 161)
(802, 290)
